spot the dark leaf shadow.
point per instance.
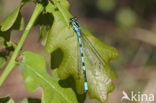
(56, 58)
(70, 83)
(34, 100)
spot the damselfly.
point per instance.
(76, 28)
(91, 53)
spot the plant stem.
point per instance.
(12, 62)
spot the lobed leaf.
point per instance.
(33, 67)
(100, 75)
(63, 48)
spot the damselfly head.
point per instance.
(74, 19)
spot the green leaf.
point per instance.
(33, 67)
(70, 82)
(25, 100)
(44, 31)
(45, 21)
(11, 101)
(14, 21)
(64, 53)
(4, 99)
(100, 81)
(19, 23)
(9, 21)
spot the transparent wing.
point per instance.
(97, 70)
(93, 56)
(95, 59)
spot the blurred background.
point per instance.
(128, 25)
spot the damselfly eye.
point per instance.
(73, 19)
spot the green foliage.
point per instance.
(11, 101)
(33, 67)
(45, 21)
(9, 21)
(4, 99)
(64, 54)
(14, 21)
(12, 63)
(55, 34)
